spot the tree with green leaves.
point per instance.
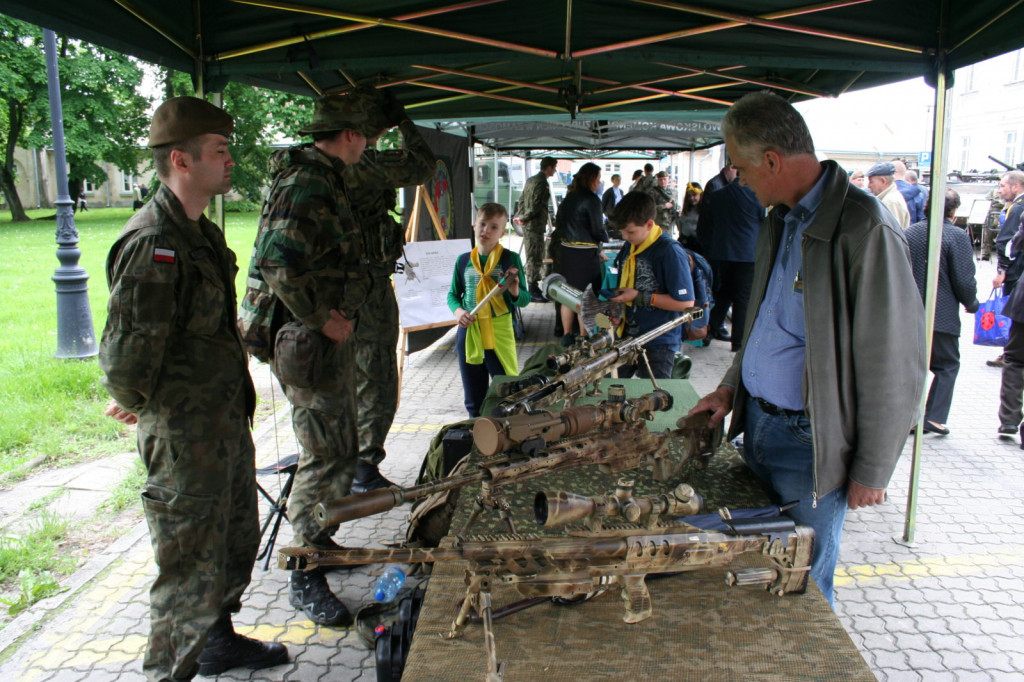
(104, 113)
(262, 118)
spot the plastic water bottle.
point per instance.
(388, 584)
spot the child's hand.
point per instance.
(512, 279)
(464, 318)
(625, 296)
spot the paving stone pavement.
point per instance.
(949, 606)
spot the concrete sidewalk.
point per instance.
(948, 607)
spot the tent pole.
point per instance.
(936, 217)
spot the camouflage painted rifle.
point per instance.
(618, 449)
(572, 567)
(570, 384)
(624, 443)
(584, 348)
(534, 432)
(554, 509)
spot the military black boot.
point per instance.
(536, 295)
(309, 593)
(368, 478)
(226, 649)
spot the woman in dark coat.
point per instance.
(580, 229)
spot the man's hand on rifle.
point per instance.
(718, 402)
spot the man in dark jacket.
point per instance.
(957, 287)
(730, 218)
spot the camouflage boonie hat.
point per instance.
(360, 110)
(183, 118)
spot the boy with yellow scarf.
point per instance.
(486, 342)
(654, 282)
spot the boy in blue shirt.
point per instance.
(654, 283)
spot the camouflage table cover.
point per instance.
(701, 629)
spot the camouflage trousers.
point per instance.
(533, 245)
(200, 505)
(376, 368)
(324, 422)
(988, 241)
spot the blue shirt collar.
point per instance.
(807, 207)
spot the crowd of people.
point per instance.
(826, 401)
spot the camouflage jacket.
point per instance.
(170, 351)
(535, 200)
(308, 254)
(645, 183)
(371, 185)
(665, 216)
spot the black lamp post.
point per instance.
(76, 337)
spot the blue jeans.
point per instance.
(661, 358)
(779, 451)
(475, 378)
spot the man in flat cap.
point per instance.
(308, 279)
(882, 183)
(174, 364)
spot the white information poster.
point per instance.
(422, 281)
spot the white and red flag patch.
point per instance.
(163, 255)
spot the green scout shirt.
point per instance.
(170, 351)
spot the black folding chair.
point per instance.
(286, 468)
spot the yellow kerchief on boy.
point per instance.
(627, 278)
(496, 306)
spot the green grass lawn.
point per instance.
(48, 407)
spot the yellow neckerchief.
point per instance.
(627, 277)
(496, 306)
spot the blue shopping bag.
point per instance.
(991, 327)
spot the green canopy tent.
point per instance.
(481, 61)
(508, 59)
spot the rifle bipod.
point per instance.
(478, 596)
(488, 499)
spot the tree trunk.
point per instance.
(14, 115)
(18, 214)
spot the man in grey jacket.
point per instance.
(826, 399)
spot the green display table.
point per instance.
(701, 629)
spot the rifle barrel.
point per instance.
(333, 512)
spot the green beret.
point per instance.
(183, 118)
(361, 111)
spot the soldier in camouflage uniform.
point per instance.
(371, 185)
(647, 181)
(534, 208)
(666, 208)
(174, 364)
(309, 267)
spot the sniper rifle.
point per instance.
(573, 567)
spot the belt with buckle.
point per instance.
(776, 411)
